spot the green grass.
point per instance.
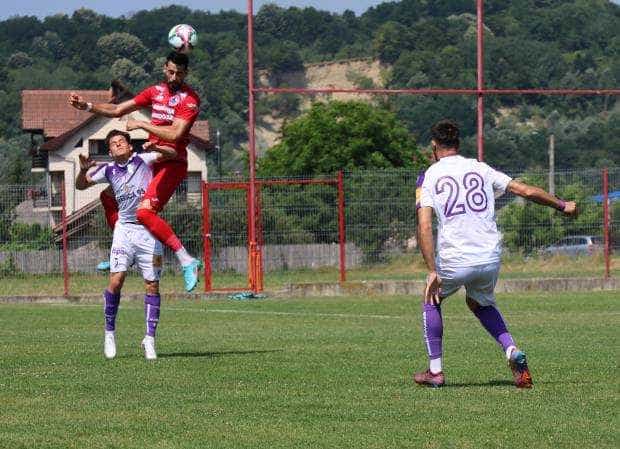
(312, 373)
(403, 268)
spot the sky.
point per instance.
(115, 8)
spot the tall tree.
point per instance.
(341, 135)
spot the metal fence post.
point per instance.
(606, 220)
(65, 261)
(206, 236)
(341, 227)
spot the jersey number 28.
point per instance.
(475, 196)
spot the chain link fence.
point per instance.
(298, 229)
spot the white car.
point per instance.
(575, 245)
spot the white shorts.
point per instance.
(479, 282)
(133, 243)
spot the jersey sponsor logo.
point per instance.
(118, 251)
(163, 108)
(160, 116)
(130, 195)
(192, 106)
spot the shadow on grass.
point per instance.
(213, 354)
(490, 383)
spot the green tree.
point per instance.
(128, 72)
(115, 46)
(19, 59)
(49, 46)
(390, 40)
(340, 135)
(527, 227)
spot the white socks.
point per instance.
(509, 350)
(435, 365)
(184, 257)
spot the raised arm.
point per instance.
(538, 195)
(83, 181)
(104, 109)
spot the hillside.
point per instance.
(407, 43)
(346, 74)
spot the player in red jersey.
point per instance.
(174, 109)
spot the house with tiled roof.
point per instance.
(67, 132)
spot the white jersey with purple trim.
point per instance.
(462, 193)
(129, 182)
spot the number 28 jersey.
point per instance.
(462, 193)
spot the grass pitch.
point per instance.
(323, 373)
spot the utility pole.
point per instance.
(552, 164)
(218, 147)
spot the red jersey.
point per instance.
(166, 106)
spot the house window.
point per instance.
(97, 148)
(57, 179)
(79, 143)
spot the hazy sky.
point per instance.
(42, 8)
(115, 8)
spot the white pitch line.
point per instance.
(256, 312)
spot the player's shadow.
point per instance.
(213, 354)
(490, 383)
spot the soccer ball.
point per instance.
(182, 38)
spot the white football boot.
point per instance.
(109, 345)
(148, 344)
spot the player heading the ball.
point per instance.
(174, 109)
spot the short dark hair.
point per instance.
(446, 134)
(117, 132)
(178, 59)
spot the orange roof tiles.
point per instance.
(200, 129)
(48, 110)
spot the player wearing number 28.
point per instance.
(461, 192)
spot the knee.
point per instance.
(115, 286)
(473, 305)
(152, 287)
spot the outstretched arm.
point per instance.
(538, 195)
(83, 181)
(171, 133)
(104, 109)
(165, 152)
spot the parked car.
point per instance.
(575, 245)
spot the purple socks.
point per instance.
(433, 330)
(110, 309)
(493, 322)
(151, 313)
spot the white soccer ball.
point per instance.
(182, 38)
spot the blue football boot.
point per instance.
(190, 275)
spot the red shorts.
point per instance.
(167, 176)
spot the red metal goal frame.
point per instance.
(255, 265)
(480, 92)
